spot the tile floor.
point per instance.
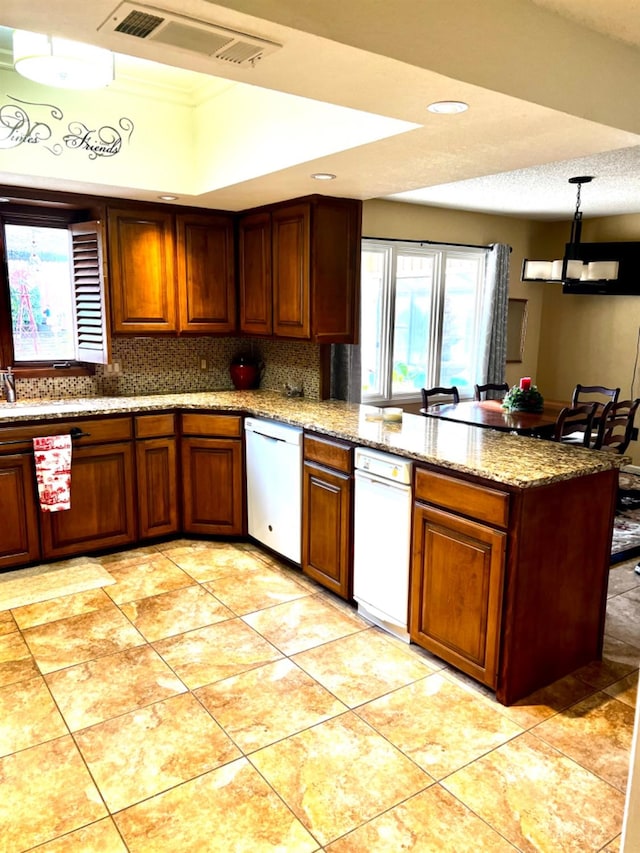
(213, 699)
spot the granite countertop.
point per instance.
(504, 458)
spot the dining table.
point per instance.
(491, 415)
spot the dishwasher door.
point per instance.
(382, 550)
(274, 485)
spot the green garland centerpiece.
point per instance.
(519, 399)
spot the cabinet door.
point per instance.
(456, 593)
(102, 513)
(19, 540)
(141, 266)
(212, 482)
(254, 274)
(290, 243)
(206, 283)
(157, 479)
(326, 528)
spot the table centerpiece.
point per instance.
(524, 397)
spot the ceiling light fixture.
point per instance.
(61, 63)
(323, 176)
(573, 266)
(168, 197)
(448, 107)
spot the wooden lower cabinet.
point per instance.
(327, 513)
(19, 539)
(212, 474)
(102, 513)
(157, 475)
(456, 598)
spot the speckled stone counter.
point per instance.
(509, 459)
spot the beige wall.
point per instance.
(590, 339)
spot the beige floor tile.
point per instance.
(614, 847)
(175, 612)
(411, 718)
(61, 608)
(128, 557)
(16, 661)
(28, 716)
(219, 651)
(67, 642)
(150, 750)
(547, 701)
(228, 809)
(622, 577)
(144, 578)
(7, 623)
(338, 775)
(255, 589)
(622, 621)
(99, 837)
(267, 704)
(302, 624)
(95, 691)
(51, 580)
(539, 799)
(431, 821)
(596, 733)
(45, 791)
(618, 659)
(626, 690)
(213, 563)
(362, 666)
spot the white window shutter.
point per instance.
(89, 292)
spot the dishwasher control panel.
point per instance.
(386, 465)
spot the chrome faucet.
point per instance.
(9, 383)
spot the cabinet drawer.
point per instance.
(154, 426)
(95, 431)
(227, 426)
(479, 502)
(333, 454)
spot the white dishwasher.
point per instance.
(274, 485)
(382, 539)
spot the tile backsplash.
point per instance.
(174, 365)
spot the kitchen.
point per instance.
(391, 219)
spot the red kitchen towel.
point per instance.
(53, 471)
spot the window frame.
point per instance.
(439, 252)
(48, 216)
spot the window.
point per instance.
(420, 318)
(52, 285)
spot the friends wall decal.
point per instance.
(31, 123)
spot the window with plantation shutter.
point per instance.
(89, 292)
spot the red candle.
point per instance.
(525, 383)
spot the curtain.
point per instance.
(493, 320)
(345, 372)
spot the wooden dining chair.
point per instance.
(479, 390)
(615, 430)
(439, 396)
(574, 424)
(586, 393)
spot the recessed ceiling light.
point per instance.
(4, 199)
(448, 107)
(323, 176)
(168, 197)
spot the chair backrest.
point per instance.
(439, 396)
(616, 426)
(585, 394)
(479, 390)
(575, 421)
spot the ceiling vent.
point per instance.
(156, 25)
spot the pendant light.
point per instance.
(61, 63)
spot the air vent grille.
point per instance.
(139, 24)
(187, 34)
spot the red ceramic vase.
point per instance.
(245, 373)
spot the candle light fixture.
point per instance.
(573, 267)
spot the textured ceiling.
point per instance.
(552, 87)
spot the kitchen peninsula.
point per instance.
(511, 535)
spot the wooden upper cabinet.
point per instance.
(141, 262)
(206, 281)
(290, 254)
(254, 274)
(300, 270)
